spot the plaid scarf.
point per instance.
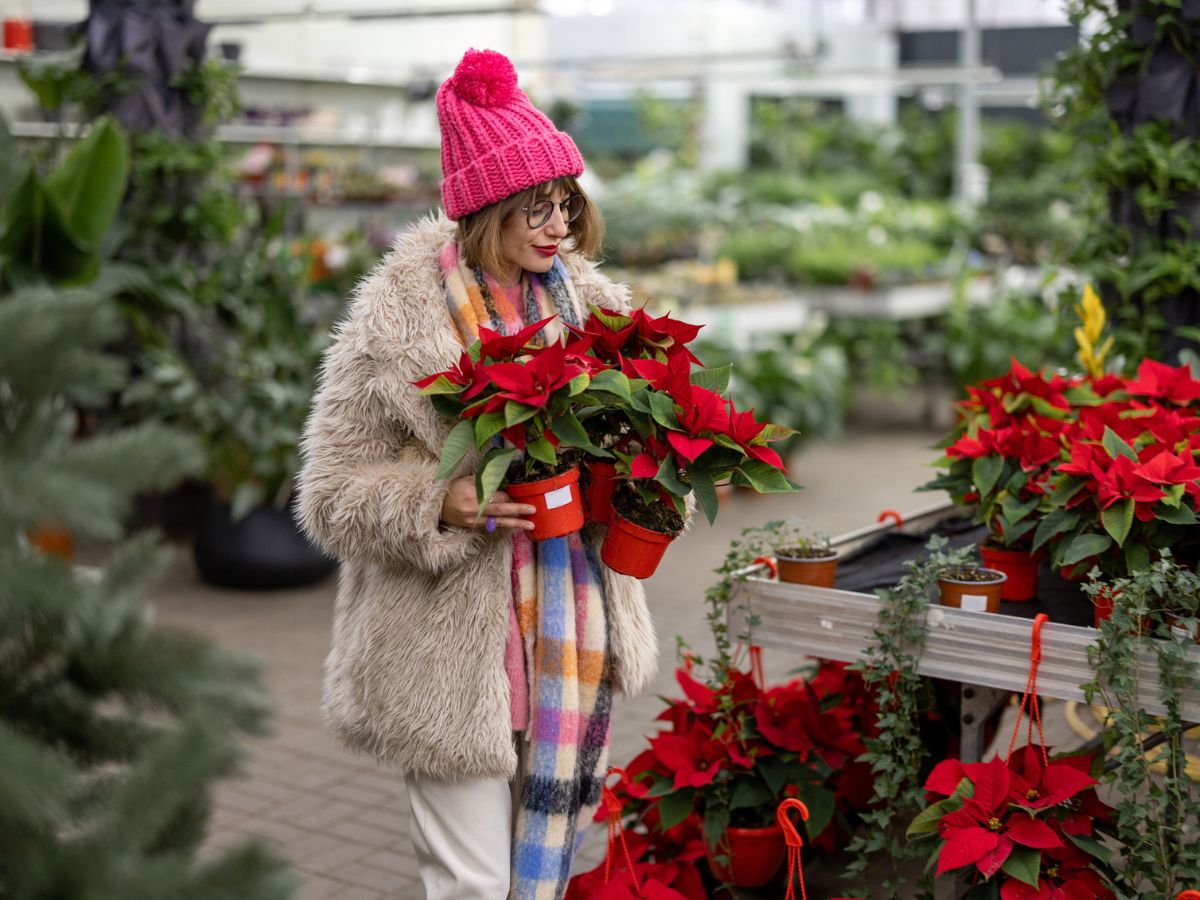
(562, 617)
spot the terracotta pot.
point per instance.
(52, 541)
(602, 478)
(631, 549)
(558, 504)
(1020, 567)
(755, 855)
(974, 596)
(18, 35)
(821, 572)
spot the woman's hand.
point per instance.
(460, 508)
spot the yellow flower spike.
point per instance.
(1091, 312)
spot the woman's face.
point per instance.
(533, 249)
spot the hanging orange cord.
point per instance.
(756, 667)
(769, 563)
(1030, 695)
(794, 842)
(615, 832)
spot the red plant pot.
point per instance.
(631, 549)
(558, 504)
(1103, 603)
(598, 498)
(1020, 567)
(755, 855)
(18, 35)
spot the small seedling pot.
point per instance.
(820, 571)
(973, 596)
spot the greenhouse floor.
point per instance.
(343, 821)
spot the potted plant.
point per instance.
(970, 587)
(516, 402)
(807, 558)
(1027, 828)
(1126, 485)
(1000, 458)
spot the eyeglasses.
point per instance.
(539, 214)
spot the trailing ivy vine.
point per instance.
(897, 753)
(1158, 807)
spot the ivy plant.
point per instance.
(897, 753)
(1158, 808)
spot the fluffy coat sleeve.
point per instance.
(367, 488)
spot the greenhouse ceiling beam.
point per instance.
(521, 7)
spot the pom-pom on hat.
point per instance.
(494, 142)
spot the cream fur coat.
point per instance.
(415, 675)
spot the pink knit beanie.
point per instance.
(494, 143)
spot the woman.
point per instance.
(444, 663)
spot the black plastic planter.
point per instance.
(264, 551)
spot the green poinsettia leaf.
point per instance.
(715, 380)
(458, 443)
(610, 381)
(748, 792)
(662, 408)
(1055, 523)
(1182, 515)
(926, 821)
(615, 321)
(675, 807)
(985, 472)
(1118, 519)
(1024, 864)
(821, 803)
(543, 451)
(487, 426)
(442, 385)
(490, 474)
(1082, 547)
(1090, 846)
(1116, 446)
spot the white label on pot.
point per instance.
(558, 497)
(974, 602)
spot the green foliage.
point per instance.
(653, 214)
(796, 378)
(1158, 810)
(1139, 247)
(896, 754)
(51, 226)
(111, 730)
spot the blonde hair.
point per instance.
(481, 233)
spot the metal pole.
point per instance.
(970, 179)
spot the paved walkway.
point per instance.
(342, 820)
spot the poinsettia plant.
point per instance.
(1006, 447)
(732, 750)
(511, 394)
(1128, 482)
(1022, 829)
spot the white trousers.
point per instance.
(462, 834)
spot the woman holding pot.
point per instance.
(477, 664)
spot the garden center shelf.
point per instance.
(978, 650)
(923, 300)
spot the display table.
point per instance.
(978, 650)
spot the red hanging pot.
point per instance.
(558, 504)
(602, 478)
(631, 549)
(1020, 567)
(755, 855)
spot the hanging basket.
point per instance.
(631, 549)
(755, 855)
(557, 501)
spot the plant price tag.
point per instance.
(558, 497)
(974, 602)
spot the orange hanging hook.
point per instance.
(756, 667)
(612, 804)
(794, 842)
(893, 515)
(1035, 654)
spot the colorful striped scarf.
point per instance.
(563, 622)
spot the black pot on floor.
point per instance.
(263, 551)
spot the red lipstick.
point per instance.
(547, 251)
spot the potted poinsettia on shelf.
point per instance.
(1020, 829)
(1127, 486)
(1000, 459)
(517, 403)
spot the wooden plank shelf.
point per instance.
(982, 649)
